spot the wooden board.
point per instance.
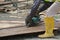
(23, 30)
(7, 3)
(10, 24)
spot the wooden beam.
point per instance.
(23, 30)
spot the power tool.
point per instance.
(32, 20)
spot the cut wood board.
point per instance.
(24, 30)
(9, 24)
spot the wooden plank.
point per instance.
(9, 24)
(19, 30)
(7, 3)
(23, 30)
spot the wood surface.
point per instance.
(23, 30)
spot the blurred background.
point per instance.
(13, 13)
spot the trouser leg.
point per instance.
(33, 12)
(45, 6)
(35, 7)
